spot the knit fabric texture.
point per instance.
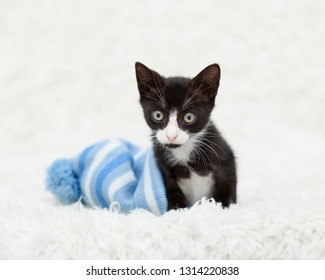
(111, 171)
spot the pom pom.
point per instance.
(62, 181)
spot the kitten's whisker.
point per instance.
(217, 155)
(161, 100)
(184, 105)
(198, 139)
(213, 86)
(203, 145)
(209, 148)
(160, 94)
(189, 105)
(201, 154)
(155, 102)
(218, 147)
(214, 143)
(199, 87)
(198, 92)
(212, 150)
(187, 101)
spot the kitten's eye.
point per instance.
(189, 118)
(157, 116)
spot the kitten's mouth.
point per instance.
(173, 146)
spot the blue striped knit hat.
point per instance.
(112, 171)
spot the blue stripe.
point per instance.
(117, 172)
(139, 166)
(125, 196)
(106, 171)
(86, 160)
(158, 187)
(115, 153)
(133, 149)
(139, 198)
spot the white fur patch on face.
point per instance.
(172, 134)
(182, 154)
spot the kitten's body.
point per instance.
(194, 159)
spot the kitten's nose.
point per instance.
(171, 133)
(171, 137)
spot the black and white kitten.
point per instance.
(194, 158)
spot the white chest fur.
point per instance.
(196, 187)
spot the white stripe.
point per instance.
(119, 183)
(98, 159)
(148, 191)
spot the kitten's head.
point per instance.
(176, 108)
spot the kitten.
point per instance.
(194, 158)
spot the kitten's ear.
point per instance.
(150, 83)
(206, 83)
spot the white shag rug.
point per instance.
(67, 80)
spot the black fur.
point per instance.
(197, 96)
